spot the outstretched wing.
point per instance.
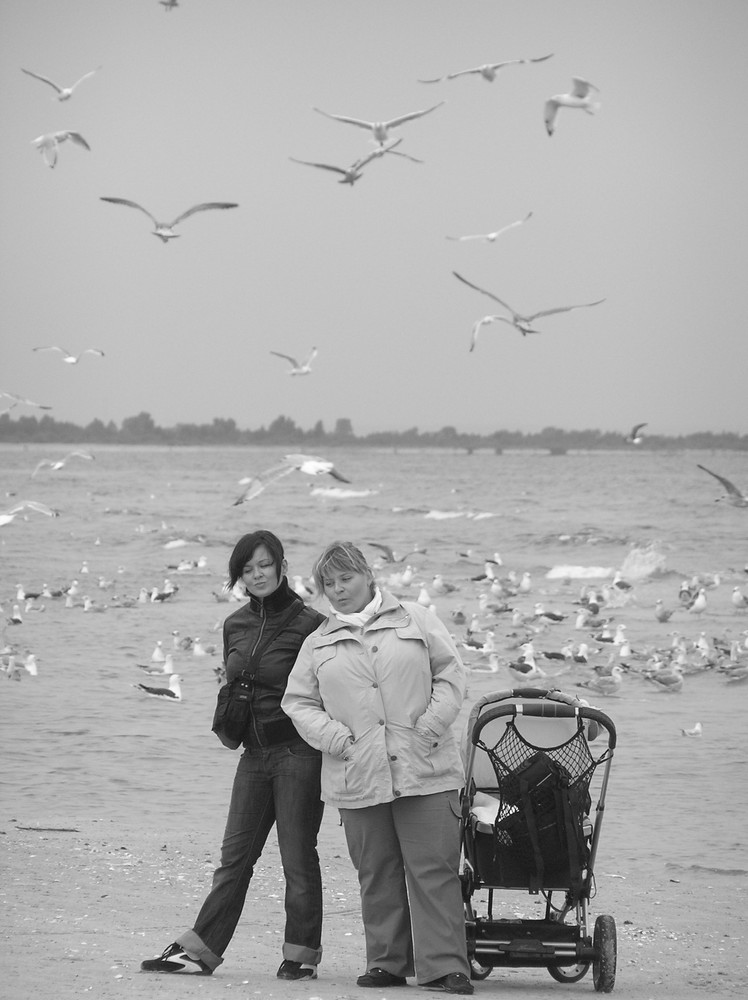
(394, 122)
(483, 292)
(560, 309)
(131, 204)
(52, 347)
(636, 428)
(731, 488)
(75, 136)
(256, 484)
(343, 118)
(84, 77)
(288, 357)
(44, 79)
(202, 208)
(323, 166)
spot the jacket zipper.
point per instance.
(263, 620)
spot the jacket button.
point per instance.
(375, 685)
(393, 756)
(397, 794)
(381, 722)
(374, 649)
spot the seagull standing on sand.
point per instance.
(522, 323)
(165, 230)
(580, 97)
(732, 494)
(296, 367)
(380, 130)
(63, 93)
(312, 465)
(490, 237)
(67, 357)
(48, 144)
(487, 70)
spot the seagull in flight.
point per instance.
(490, 237)
(353, 173)
(635, 437)
(63, 93)
(49, 143)
(6, 516)
(312, 465)
(25, 402)
(165, 230)
(296, 368)
(732, 493)
(169, 4)
(522, 323)
(380, 130)
(580, 97)
(68, 358)
(54, 466)
(488, 70)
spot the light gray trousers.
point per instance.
(407, 855)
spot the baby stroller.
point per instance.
(527, 824)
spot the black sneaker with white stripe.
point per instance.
(175, 959)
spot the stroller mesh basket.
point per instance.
(539, 837)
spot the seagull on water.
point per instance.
(312, 465)
(732, 494)
(487, 70)
(172, 693)
(63, 93)
(520, 322)
(380, 130)
(580, 97)
(48, 143)
(6, 516)
(635, 436)
(298, 368)
(165, 230)
(55, 466)
(490, 237)
(696, 731)
(356, 170)
(67, 357)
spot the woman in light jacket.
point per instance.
(376, 688)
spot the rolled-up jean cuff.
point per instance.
(298, 953)
(194, 945)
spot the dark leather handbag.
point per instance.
(233, 712)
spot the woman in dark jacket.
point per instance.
(277, 780)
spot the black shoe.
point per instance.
(380, 977)
(176, 960)
(455, 982)
(296, 970)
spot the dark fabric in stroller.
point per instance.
(538, 835)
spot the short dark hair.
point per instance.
(245, 547)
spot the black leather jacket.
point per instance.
(244, 630)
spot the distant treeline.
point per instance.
(283, 431)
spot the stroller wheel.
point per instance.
(604, 962)
(569, 973)
(478, 971)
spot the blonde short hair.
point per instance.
(340, 556)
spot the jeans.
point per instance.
(281, 785)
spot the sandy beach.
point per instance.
(85, 901)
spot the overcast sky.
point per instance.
(642, 204)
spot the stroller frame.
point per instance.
(513, 737)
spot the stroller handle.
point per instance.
(552, 709)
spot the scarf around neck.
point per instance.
(360, 618)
